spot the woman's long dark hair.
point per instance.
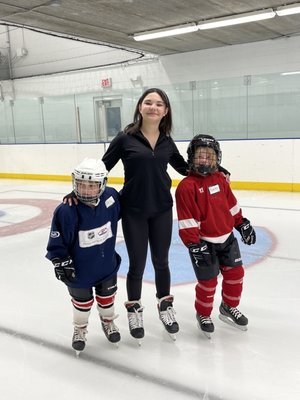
(165, 125)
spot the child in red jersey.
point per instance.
(207, 213)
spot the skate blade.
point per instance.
(114, 344)
(229, 321)
(172, 336)
(77, 353)
(206, 334)
(138, 340)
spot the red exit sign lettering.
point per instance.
(106, 82)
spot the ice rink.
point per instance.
(37, 361)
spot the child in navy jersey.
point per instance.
(82, 249)
(207, 213)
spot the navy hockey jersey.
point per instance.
(88, 236)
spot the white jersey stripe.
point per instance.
(235, 209)
(188, 223)
(216, 239)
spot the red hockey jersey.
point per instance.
(206, 208)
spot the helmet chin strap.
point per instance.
(91, 203)
(204, 169)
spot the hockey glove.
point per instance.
(64, 269)
(70, 198)
(199, 254)
(247, 232)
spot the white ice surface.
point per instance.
(37, 362)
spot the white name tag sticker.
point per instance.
(95, 236)
(109, 202)
(214, 189)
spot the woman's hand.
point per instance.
(71, 199)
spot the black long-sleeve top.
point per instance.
(147, 184)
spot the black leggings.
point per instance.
(138, 231)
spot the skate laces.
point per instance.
(168, 316)
(79, 334)
(109, 325)
(235, 312)
(135, 318)
(205, 320)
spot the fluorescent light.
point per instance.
(219, 22)
(290, 73)
(237, 19)
(288, 10)
(159, 33)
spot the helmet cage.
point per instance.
(204, 141)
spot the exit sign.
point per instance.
(106, 82)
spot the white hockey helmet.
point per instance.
(90, 171)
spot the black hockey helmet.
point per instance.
(204, 141)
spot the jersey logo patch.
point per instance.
(94, 237)
(214, 189)
(54, 234)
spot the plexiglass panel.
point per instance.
(7, 134)
(246, 107)
(221, 108)
(28, 120)
(273, 106)
(60, 119)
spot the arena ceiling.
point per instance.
(115, 21)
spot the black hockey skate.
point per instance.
(110, 330)
(206, 325)
(79, 339)
(167, 315)
(135, 319)
(233, 316)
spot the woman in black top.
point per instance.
(146, 148)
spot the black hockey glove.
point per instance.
(247, 232)
(70, 198)
(200, 255)
(64, 269)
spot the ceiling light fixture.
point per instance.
(290, 73)
(218, 22)
(237, 19)
(172, 31)
(53, 3)
(288, 10)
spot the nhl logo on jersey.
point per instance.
(91, 235)
(96, 236)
